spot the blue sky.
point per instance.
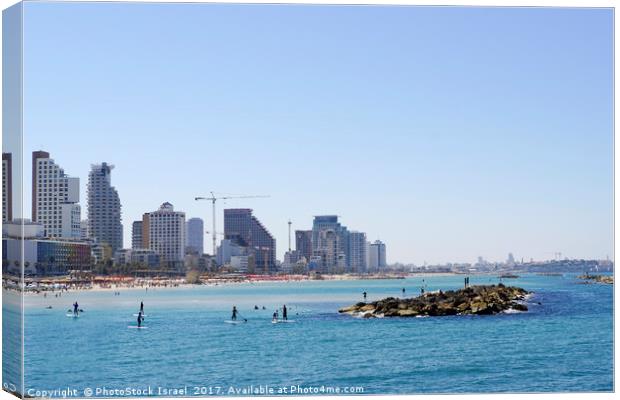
(448, 133)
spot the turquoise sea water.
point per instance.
(564, 344)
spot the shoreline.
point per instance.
(119, 284)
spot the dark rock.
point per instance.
(479, 300)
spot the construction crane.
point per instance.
(213, 199)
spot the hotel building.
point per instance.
(55, 198)
(104, 207)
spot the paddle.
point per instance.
(244, 319)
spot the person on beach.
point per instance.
(75, 308)
(234, 313)
(284, 317)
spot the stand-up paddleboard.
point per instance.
(137, 327)
(283, 321)
(234, 322)
(72, 315)
(136, 314)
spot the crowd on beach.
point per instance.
(58, 285)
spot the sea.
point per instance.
(564, 343)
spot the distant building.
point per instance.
(136, 235)
(55, 198)
(376, 255)
(330, 241)
(228, 249)
(357, 252)
(511, 260)
(303, 244)
(84, 229)
(140, 258)
(7, 186)
(38, 255)
(239, 263)
(245, 230)
(194, 236)
(101, 252)
(104, 207)
(290, 259)
(145, 258)
(122, 257)
(164, 233)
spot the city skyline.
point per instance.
(465, 149)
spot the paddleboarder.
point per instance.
(234, 313)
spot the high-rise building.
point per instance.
(357, 251)
(136, 235)
(330, 242)
(194, 236)
(245, 230)
(164, 233)
(104, 207)
(55, 198)
(511, 260)
(7, 187)
(376, 255)
(303, 244)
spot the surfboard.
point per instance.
(234, 322)
(137, 327)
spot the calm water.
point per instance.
(565, 344)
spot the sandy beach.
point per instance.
(38, 286)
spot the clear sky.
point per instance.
(448, 133)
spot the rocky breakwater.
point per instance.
(606, 279)
(479, 300)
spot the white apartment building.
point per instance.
(357, 252)
(164, 233)
(55, 198)
(376, 255)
